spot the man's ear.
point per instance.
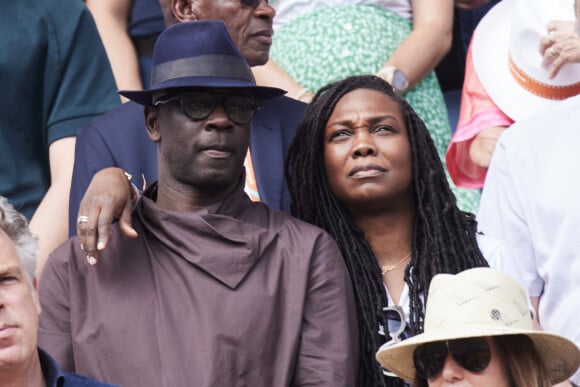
(152, 123)
(184, 10)
(35, 295)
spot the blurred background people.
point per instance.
(506, 80)
(530, 204)
(321, 41)
(479, 332)
(450, 70)
(56, 77)
(128, 29)
(364, 168)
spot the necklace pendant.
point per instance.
(388, 268)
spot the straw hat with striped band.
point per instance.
(474, 303)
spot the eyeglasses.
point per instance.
(200, 105)
(472, 354)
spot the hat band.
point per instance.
(541, 89)
(220, 66)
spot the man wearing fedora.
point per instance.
(118, 138)
(216, 290)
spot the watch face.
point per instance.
(399, 80)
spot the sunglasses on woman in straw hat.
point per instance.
(480, 319)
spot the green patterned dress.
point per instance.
(332, 43)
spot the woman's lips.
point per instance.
(366, 171)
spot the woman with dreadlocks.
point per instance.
(363, 167)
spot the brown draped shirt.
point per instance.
(236, 294)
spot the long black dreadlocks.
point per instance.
(443, 241)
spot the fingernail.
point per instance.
(82, 247)
(100, 244)
(91, 260)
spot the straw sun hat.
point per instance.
(507, 59)
(480, 302)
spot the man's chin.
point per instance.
(258, 57)
(12, 355)
(216, 184)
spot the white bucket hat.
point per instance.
(507, 59)
(474, 303)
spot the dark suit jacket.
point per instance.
(119, 139)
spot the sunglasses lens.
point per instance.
(241, 110)
(472, 354)
(251, 3)
(430, 358)
(396, 325)
(198, 106)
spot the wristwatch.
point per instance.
(395, 77)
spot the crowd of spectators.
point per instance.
(289, 192)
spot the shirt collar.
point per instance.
(225, 240)
(50, 369)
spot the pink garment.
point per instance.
(477, 112)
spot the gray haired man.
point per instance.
(22, 363)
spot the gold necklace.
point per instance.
(387, 268)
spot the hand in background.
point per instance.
(560, 46)
(483, 145)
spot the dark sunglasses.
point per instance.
(473, 354)
(252, 3)
(200, 105)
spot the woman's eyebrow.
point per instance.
(372, 120)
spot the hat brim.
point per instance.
(560, 356)
(145, 97)
(490, 51)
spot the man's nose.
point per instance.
(219, 119)
(265, 10)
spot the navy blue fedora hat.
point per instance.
(199, 54)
